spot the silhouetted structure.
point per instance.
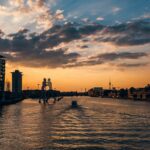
(2, 73)
(123, 93)
(16, 81)
(139, 93)
(44, 95)
(49, 83)
(46, 83)
(110, 85)
(95, 92)
(74, 104)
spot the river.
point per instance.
(96, 124)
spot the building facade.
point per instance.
(139, 93)
(16, 81)
(96, 92)
(2, 73)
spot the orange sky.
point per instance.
(77, 79)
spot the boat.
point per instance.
(74, 104)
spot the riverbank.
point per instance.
(10, 101)
(122, 98)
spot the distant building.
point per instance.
(139, 93)
(16, 81)
(2, 73)
(96, 92)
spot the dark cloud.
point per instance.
(20, 33)
(84, 46)
(109, 57)
(5, 45)
(67, 33)
(37, 50)
(90, 29)
(123, 55)
(51, 59)
(129, 65)
(134, 33)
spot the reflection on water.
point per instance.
(96, 124)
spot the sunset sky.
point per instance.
(77, 43)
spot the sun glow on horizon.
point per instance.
(79, 79)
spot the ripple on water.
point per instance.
(96, 124)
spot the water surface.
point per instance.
(96, 124)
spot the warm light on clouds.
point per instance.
(31, 12)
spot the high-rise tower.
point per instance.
(16, 81)
(2, 73)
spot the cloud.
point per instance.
(132, 65)
(126, 34)
(34, 12)
(34, 51)
(44, 49)
(110, 57)
(133, 33)
(115, 56)
(85, 20)
(100, 19)
(50, 59)
(38, 14)
(116, 10)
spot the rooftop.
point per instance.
(17, 71)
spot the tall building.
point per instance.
(2, 73)
(16, 81)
